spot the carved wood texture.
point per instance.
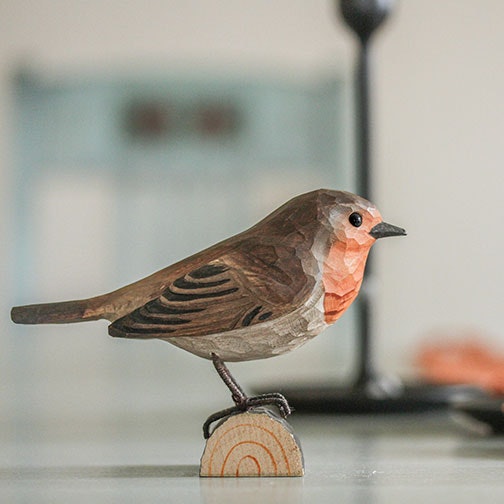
(255, 295)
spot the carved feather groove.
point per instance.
(250, 316)
(177, 296)
(192, 300)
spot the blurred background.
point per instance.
(133, 134)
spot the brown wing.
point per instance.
(246, 286)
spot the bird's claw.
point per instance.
(273, 398)
(246, 404)
(217, 416)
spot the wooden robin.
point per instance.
(258, 294)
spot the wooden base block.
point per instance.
(253, 443)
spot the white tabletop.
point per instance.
(155, 458)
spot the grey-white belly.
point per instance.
(261, 341)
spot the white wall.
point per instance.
(438, 110)
(440, 121)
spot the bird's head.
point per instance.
(329, 216)
(358, 221)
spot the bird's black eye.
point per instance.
(355, 219)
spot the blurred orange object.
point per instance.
(467, 362)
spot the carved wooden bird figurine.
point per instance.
(258, 294)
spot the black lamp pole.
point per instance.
(364, 17)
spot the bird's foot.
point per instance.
(271, 399)
(245, 403)
(241, 400)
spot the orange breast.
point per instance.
(342, 277)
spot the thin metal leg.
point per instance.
(241, 400)
(237, 394)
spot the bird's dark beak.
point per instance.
(382, 230)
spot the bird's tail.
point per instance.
(57, 313)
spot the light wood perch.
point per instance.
(253, 443)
